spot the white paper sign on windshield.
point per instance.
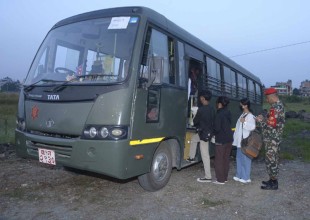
(119, 23)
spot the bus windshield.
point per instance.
(91, 51)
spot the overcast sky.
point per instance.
(233, 27)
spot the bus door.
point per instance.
(160, 104)
(195, 84)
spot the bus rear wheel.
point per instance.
(160, 172)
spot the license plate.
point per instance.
(47, 156)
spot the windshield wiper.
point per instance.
(31, 86)
(76, 78)
(59, 87)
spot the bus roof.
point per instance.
(165, 24)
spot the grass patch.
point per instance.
(304, 145)
(297, 140)
(287, 156)
(209, 203)
(18, 193)
(190, 188)
(26, 194)
(297, 106)
(295, 126)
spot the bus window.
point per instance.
(242, 92)
(153, 100)
(172, 77)
(214, 75)
(182, 76)
(92, 56)
(67, 57)
(230, 82)
(42, 65)
(251, 90)
(258, 92)
(233, 84)
(156, 51)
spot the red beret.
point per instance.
(270, 91)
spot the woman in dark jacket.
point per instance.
(223, 140)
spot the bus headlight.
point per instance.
(110, 132)
(92, 132)
(117, 132)
(104, 132)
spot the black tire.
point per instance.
(160, 172)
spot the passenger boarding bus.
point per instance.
(108, 92)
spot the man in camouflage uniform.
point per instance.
(272, 130)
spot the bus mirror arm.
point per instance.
(143, 82)
(146, 83)
(153, 77)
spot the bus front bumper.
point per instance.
(112, 158)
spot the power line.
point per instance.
(274, 48)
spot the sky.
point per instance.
(270, 38)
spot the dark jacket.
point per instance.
(204, 118)
(222, 127)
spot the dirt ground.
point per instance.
(31, 190)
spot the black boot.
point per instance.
(267, 182)
(273, 185)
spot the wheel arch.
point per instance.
(175, 149)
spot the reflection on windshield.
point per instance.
(94, 51)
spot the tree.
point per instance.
(296, 92)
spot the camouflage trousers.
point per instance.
(272, 149)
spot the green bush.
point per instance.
(292, 99)
(8, 109)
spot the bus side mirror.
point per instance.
(156, 70)
(154, 73)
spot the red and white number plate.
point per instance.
(47, 156)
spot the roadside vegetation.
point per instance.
(8, 109)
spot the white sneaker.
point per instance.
(236, 178)
(243, 181)
(248, 181)
(220, 183)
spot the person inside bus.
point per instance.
(193, 80)
(245, 124)
(203, 121)
(223, 140)
(192, 90)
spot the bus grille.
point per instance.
(60, 151)
(65, 136)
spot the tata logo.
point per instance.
(52, 97)
(49, 123)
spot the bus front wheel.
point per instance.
(160, 172)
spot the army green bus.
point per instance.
(108, 92)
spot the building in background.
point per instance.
(284, 88)
(304, 88)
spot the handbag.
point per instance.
(204, 135)
(252, 145)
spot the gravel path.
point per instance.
(30, 190)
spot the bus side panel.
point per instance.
(171, 124)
